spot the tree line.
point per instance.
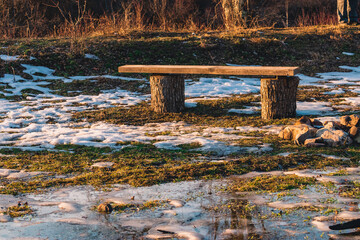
(36, 18)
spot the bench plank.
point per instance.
(216, 70)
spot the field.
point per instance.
(214, 171)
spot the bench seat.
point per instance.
(213, 70)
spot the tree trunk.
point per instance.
(278, 97)
(167, 93)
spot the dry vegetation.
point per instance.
(38, 18)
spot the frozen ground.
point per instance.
(192, 210)
(43, 121)
(25, 124)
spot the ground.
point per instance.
(66, 109)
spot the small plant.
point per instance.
(271, 183)
(341, 172)
(189, 146)
(151, 204)
(18, 210)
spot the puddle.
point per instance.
(191, 210)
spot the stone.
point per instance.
(68, 207)
(350, 120)
(7, 172)
(176, 203)
(298, 133)
(234, 232)
(331, 125)
(107, 165)
(316, 123)
(322, 226)
(353, 131)
(314, 142)
(181, 232)
(357, 139)
(334, 138)
(18, 175)
(303, 120)
(306, 133)
(286, 134)
(105, 208)
(5, 218)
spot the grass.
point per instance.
(18, 211)
(351, 190)
(96, 85)
(143, 165)
(265, 46)
(130, 207)
(271, 183)
(209, 113)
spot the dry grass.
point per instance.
(75, 18)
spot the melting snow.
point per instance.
(348, 53)
(91, 56)
(220, 87)
(247, 110)
(9, 58)
(25, 124)
(313, 108)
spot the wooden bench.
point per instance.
(278, 86)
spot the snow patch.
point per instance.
(313, 108)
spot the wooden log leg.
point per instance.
(167, 93)
(278, 97)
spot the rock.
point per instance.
(181, 232)
(303, 120)
(107, 165)
(350, 121)
(314, 142)
(234, 232)
(357, 139)
(157, 236)
(18, 175)
(7, 172)
(334, 138)
(105, 208)
(286, 134)
(315, 145)
(324, 227)
(353, 131)
(176, 203)
(68, 207)
(121, 201)
(23, 174)
(316, 123)
(304, 134)
(298, 133)
(333, 125)
(5, 218)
